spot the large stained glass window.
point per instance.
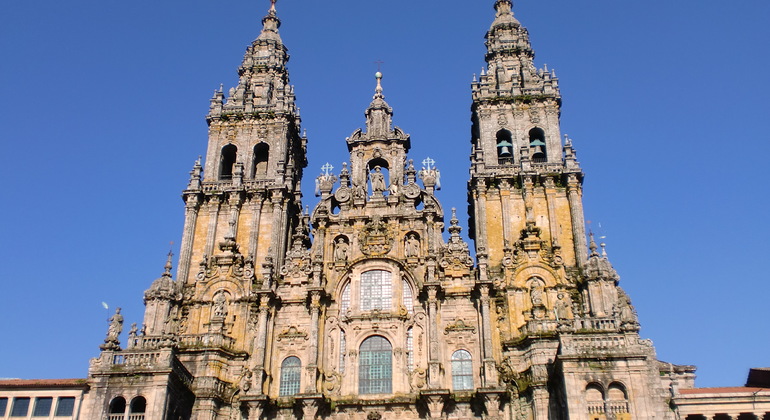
(462, 370)
(291, 369)
(376, 290)
(406, 296)
(375, 366)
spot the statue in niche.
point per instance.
(378, 180)
(412, 246)
(536, 292)
(341, 249)
(116, 326)
(561, 307)
(219, 309)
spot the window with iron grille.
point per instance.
(291, 368)
(376, 290)
(20, 407)
(375, 366)
(42, 407)
(65, 406)
(462, 370)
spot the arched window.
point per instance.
(537, 145)
(227, 161)
(462, 370)
(617, 399)
(595, 401)
(291, 369)
(406, 297)
(137, 408)
(375, 366)
(345, 300)
(261, 154)
(376, 290)
(504, 147)
(117, 408)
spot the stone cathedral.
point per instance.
(363, 307)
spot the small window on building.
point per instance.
(42, 407)
(375, 366)
(3, 406)
(376, 290)
(291, 369)
(20, 407)
(617, 400)
(595, 401)
(462, 370)
(65, 407)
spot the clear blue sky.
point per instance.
(103, 115)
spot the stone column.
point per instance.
(256, 204)
(505, 203)
(578, 224)
(315, 309)
(490, 372)
(276, 238)
(235, 211)
(212, 231)
(192, 203)
(433, 364)
(258, 363)
(480, 219)
(549, 187)
(540, 400)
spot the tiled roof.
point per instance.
(724, 390)
(43, 383)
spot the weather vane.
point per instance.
(379, 63)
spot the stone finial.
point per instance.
(592, 245)
(168, 266)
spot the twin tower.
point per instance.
(364, 308)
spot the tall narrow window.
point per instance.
(406, 296)
(537, 145)
(343, 349)
(261, 154)
(376, 290)
(409, 349)
(462, 370)
(345, 300)
(3, 406)
(227, 161)
(504, 147)
(595, 401)
(42, 407)
(617, 400)
(291, 368)
(65, 407)
(137, 408)
(375, 366)
(117, 408)
(20, 407)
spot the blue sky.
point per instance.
(103, 117)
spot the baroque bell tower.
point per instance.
(566, 336)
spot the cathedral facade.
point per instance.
(363, 308)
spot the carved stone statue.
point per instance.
(561, 307)
(412, 246)
(341, 249)
(536, 292)
(378, 180)
(132, 335)
(116, 326)
(219, 309)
